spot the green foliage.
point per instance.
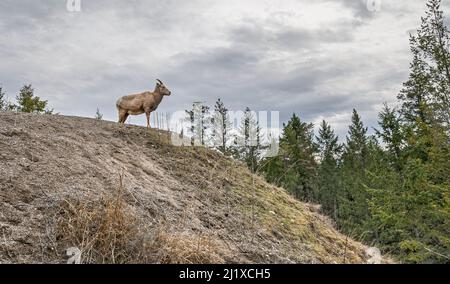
(28, 102)
(295, 168)
(356, 151)
(247, 145)
(353, 207)
(410, 214)
(328, 169)
(426, 95)
(391, 135)
(409, 186)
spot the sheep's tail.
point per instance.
(118, 103)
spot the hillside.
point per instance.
(122, 193)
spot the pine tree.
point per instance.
(3, 104)
(427, 124)
(190, 118)
(416, 92)
(197, 118)
(409, 214)
(295, 168)
(428, 87)
(248, 143)
(356, 152)
(392, 135)
(353, 209)
(434, 42)
(203, 124)
(98, 115)
(221, 127)
(328, 143)
(328, 178)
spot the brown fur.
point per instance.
(145, 102)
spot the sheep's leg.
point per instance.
(148, 119)
(125, 116)
(122, 116)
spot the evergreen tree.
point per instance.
(28, 102)
(410, 203)
(203, 124)
(197, 118)
(190, 118)
(295, 168)
(428, 87)
(248, 143)
(98, 115)
(392, 135)
(353, 209)
(3, 104)
(221, 127)
(328, 171)
(427, 128)
(410, 215)
(356, 152)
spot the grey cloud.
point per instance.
(308, 39)
(21, 12)
(358, 7)
(86, 60)
(263, 89)
(255, 35)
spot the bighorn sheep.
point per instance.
(145, 102)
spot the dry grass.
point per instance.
(182, 248)
(107, 231)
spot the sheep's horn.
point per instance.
(159, 81)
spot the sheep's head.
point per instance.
(161, 88)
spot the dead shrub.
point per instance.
(184, 248)
(106, 231)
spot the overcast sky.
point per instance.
(319, 58)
